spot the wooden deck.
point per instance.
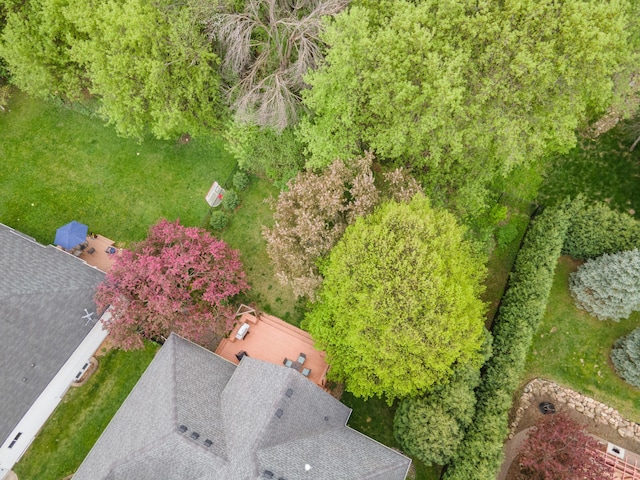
(99, 258)
(272, 340)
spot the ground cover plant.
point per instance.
(83, 414)
(572, 348)
(59, 165)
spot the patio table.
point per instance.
(296, 366)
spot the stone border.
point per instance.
(581, 403)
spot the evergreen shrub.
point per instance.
(240, 181)
(230, 200)
(523, 305)
(625, 356)
(219, 220)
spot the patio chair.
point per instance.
(91, 251)
(301, 358)
(287, 363)
(306, 372)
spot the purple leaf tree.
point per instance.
(179, 279)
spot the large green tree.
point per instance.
(464, 90)
(399, 304)
(151, 64)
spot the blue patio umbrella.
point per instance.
(71, 235)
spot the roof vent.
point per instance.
(307, 467)
(279, 413)
(195, 435)
(182, 428)
(289, 392)
(208, 443)
(267, 474)
(326, 419)
(24, 379)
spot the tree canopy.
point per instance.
(464, 90)
(177, 280)
(399, 303)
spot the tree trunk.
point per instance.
(634, 144)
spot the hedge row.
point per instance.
(596, 229)
(523, 305)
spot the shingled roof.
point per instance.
(43, 294)
(195, 416)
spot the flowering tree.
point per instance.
(177, 280)
(558, 448)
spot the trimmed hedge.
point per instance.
(596, 229)
(523, 305)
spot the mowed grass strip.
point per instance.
(83, 414)
(572, 348)
(59, 165)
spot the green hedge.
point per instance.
(523, 305)
(596, 229)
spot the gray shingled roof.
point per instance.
(43, 294)
(258, 417)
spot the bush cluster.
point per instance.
(219, 220)
(523, 306)
(597, 229)
(230, 200)
(240, 180)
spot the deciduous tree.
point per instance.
(608, 287)
(465, 90)
(558, 448)
(177, 280)
(399, 305)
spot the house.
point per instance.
(49, 329)
(273, 340)
(195, 416)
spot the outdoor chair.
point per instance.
(287, 363)
(306, 371)
(301, 358)
(91, 251)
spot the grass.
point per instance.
(374, 418)
(572, 348)
(602, 169)
(82, 415)
(59, 165)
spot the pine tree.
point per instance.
(626, 357)
(608, 287)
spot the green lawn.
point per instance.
(601, 169)
(82, 415)
(572, 348)
(59, 165)
(374, 418)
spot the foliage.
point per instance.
(268, 48)
(597, 229)
(230, 200)
(464, 90)
(165, 80)
(264, 151)
(559, 448)
(399, 304)
(36, 45)
(521, 310)
(5, 94)
(178, 280)
(219, 220)
(608, 287)
(625, 356)
(240, 181)
(312, 215)
(431, 427)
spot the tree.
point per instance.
(625, 356)
(36, 45)
(558, 448)
(151, 64)
(311, 216)
(268, 47)
(608, 287)
(463, 90)
(180, 279)
(431, 427)
(399, 304)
